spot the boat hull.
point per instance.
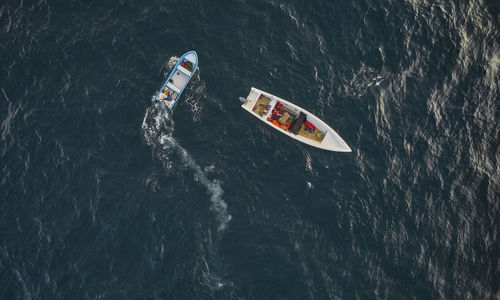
(329, 140)
(178, 79)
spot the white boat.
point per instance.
(178, 79)
(292, 120)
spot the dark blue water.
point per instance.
(105, 196)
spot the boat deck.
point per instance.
(285, 120)
(316, 135)
(178, 80)
(181, 76)
(262, 106)
(293, 121)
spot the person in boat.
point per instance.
(165, 97)
(277, 111)
(309, 126)
(167, 101)
(165, 94)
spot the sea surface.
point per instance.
(104, 195)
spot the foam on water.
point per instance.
(411, 212)
(362, 81)
(194, 91)
(158, 127)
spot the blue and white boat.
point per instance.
(178, 79)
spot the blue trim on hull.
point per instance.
(181, 59)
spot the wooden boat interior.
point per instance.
(286, 116)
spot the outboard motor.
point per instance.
(243, 100)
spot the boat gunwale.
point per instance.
(174, 69)
(343, 147)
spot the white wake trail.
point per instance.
(158, 128)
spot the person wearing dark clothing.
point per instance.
(297, 123)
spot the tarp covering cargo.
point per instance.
(297, 123)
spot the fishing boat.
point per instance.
(292, 120)
(178, 79)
